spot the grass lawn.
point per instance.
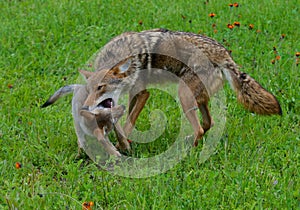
(44, 43)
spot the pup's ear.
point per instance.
(124, 66)
(86, 74)
(87, 114)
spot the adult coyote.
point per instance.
(132, 60)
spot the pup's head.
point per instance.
(105, 117)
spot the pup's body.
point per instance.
(97, 123)
(133, 60)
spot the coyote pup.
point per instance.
(97, 123)
(201, 64)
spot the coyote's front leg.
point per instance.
(207, 119)
(136, 104)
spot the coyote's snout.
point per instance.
(201, 64)
(97, 123)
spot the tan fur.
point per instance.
(97, 124)
(201, 63)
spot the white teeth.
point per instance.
(100, 107)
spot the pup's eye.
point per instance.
(99, 87)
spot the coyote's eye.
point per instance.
(100, 86)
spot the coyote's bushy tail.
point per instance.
(250, 93)
(60, 93)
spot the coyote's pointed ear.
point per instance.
(86, 74)
(124, 66)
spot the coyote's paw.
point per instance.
(124, 145)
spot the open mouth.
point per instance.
(106, 104)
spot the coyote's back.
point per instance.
(188, 55)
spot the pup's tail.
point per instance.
(60, 93)
(250, 93)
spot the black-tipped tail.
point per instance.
(60, 93)
(47, 103)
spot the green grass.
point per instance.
(42, 45)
